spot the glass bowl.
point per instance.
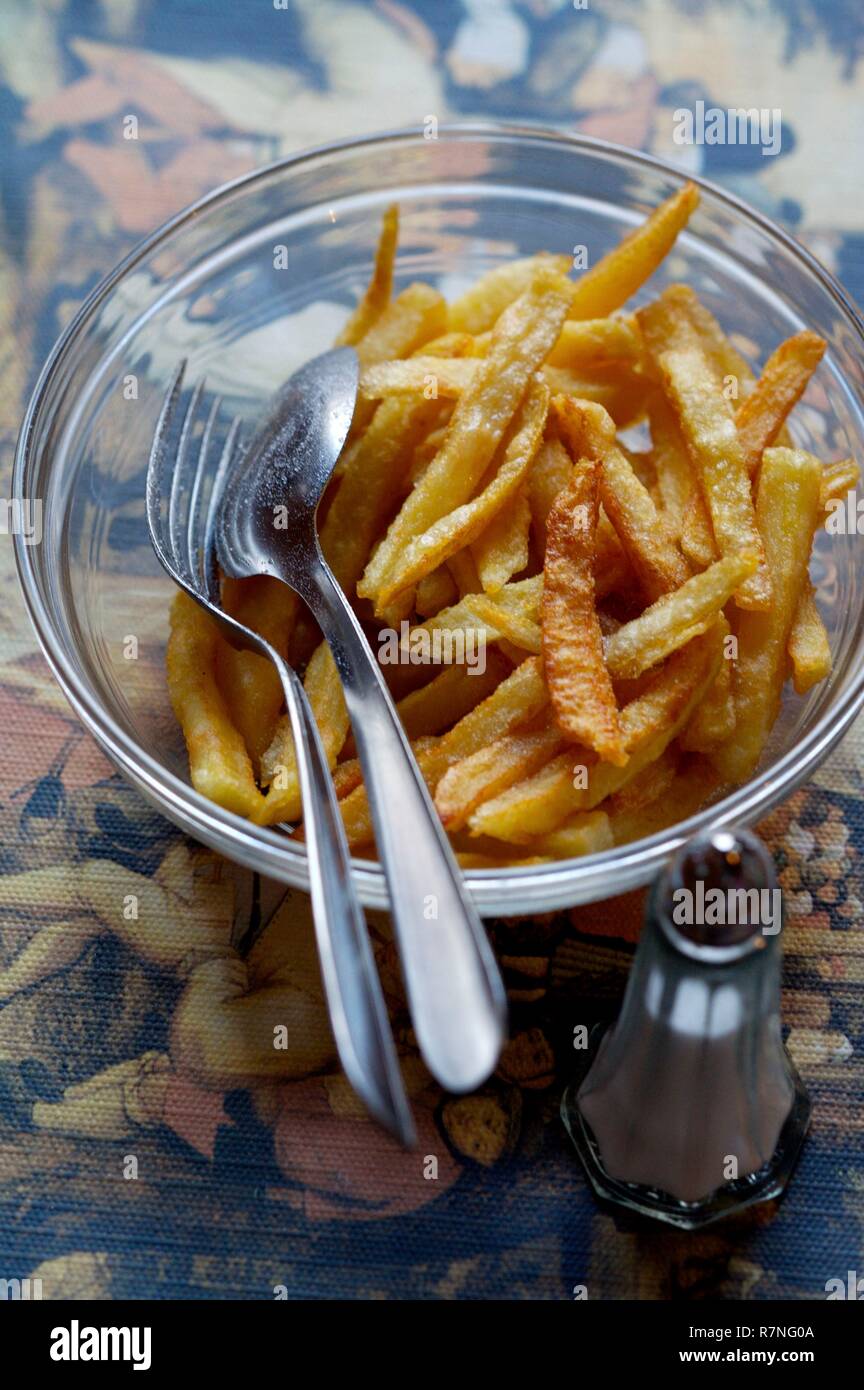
(258, 277)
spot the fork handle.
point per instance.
(355, 1000)
(455, 992)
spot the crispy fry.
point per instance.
(448, 698)
(522, 337)
(279, 764)
(576, 781)
(784, 378)
(787, 510)
(511, 624)
(219, 764)
(675, 477)
(490, 770)
(380, 287)
(249, 683)
(579, 684)
(808, 647)
(481, 306)
(586, 832)
(502, 549)
(690, 790)
(436, 591)
(713, 721)
(589, 343)
(462, 526)
(515, 701)
(708, 425)
(676, 617)
(616, 277)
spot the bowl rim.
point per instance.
(527, 889)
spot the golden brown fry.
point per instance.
(837, 479)
(589, 343)
(483, 304)
(808, 647)
(459, 528)
(784, 378)
(380, 287)
(491, 769)
(691, 789)
(787, 511)
(520, 341)
(250, 684)
(676, 617)
(219, 764)
(612, 281)
(502, 549)
(586, 832)
(576, 781)
(713, 721)
(279, 764)
(579, 685)
(436, 591)
(507, 623)
(449, 697)
(708, 424)
(515, 701)
(675, 476)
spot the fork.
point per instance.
(267, 524)
(182, 499)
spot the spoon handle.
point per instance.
(455, 993)
(358, 1014)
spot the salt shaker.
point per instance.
(691, 1108)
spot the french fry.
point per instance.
(435, 591)
(616, 277)
(589, 343)
(483, 304)
(729, 368)
(490, 770)
(675, 477)
(502, 549)
(427, 376)
(515, 701)
(414, 317)
(462, 526)
(380, 287)
(219, 764)
(808, 647)
(449, 697)
(647, 786)
(575, 781)
(509, 624)
(837, 479)
(550, 472)
(708, 424)
(787, 511)
(784, 378)
(692, 787)
(249, 683)
(586, 832)
(579, 683)
(675, 618)
(713, 721)
(279, 764)
(520, 341)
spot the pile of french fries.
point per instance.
(640, 607)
